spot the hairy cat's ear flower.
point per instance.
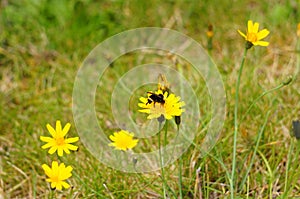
(57, 175)
(253, 36)
(58, 142)
(123, 140)
(160, 104)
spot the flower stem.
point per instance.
(165, 135)
(51, 194)
(298, 58)
(179, 170)
(236, 125)
(180, 177)
(161, 162)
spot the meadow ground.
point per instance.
(43, 43)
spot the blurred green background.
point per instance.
(43, 42)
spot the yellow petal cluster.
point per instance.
(57, 175)
(58, 142)
(254, 36)
(123, 140)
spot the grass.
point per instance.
(42, 44)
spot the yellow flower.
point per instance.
(298, 30)
(123, 140)
(58, 142)
(57, 175)
(172, 106)
(255, 37)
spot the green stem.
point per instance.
(180, 171)
(164, 148)
(180, 177)
(232, 179)
(161, 162)
(51, 194)
(165, 135)
(298, 58)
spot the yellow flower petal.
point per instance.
(66, 129)
(143, 99)
(58, 126)
(55, 165)
(65, 185)
(242, 34)
(261, 43)
(72, 147)
(71, 140)
(144, 105)
(145, 111)
(250, 26)
(60, 152)
(46, 139)
(111, 144)
(52, 150)
(66, 150)
(69, 169)
(113, 138)
(51, 130)
(262, 34)
(54, 186)
(48, 145)
(58, 186)
(47, 170)
(255, 27)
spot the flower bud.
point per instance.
(296, 129)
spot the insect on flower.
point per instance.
(155, 98)
(170, 105)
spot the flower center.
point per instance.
(252, 37)
(55, 179)
(124, 142)
(60, 141)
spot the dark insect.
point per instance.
(155, 98)
(296, 129)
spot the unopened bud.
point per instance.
(288, 80)
(296, 129)
(161, 119)
(177, 120)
